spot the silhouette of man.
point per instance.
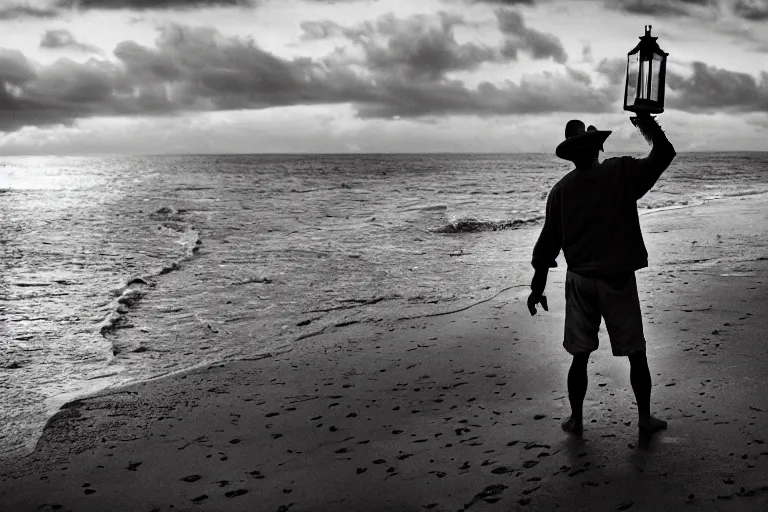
(592, 216)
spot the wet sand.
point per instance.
(452, 412)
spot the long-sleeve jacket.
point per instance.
(592, 216)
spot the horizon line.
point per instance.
(307, 153)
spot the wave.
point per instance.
(472, 225)
(662, 204)
(130, 294)
(431, 208)
(743, 193)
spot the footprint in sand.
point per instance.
(488, 495)
(526, 492)
(133, 465)
(235, 493)
(191, 478)
(200, 498)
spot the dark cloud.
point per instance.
(755, 9)
(188, 70)
(710, 88)
(751, 9)
(403, 69)
(409, 61)
(417, 48)
(614, 70)
(19, 11)
(146, 65)
(63, 39)
(664, 7)
(579, 76)
(15, 69)
(141, 5)
(518, 37)
(543, 93)
(61, 92)
(506, 2)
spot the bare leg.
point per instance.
(640, 378)
(577, 390)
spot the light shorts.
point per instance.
(615, 299)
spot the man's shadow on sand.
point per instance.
(576, 446)
(583, 452)
(645, 441)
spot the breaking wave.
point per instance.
(472, 225)
(130, 294)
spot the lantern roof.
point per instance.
(648, 44)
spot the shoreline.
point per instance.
(83, 431)
(55, 403)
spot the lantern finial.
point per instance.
(648, 30)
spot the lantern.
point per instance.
(646, 67)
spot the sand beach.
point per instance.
(457, 411)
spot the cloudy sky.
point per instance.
(249, 76)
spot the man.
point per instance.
(592, 216)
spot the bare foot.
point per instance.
(650, 425)
(573, 426)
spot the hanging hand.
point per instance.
(536, 298)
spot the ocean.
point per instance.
(123, 269)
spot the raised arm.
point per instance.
(643, 172)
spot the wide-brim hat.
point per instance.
(578, 139)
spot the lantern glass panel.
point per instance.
(633, 67)
(645, 75)
(655, 75)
